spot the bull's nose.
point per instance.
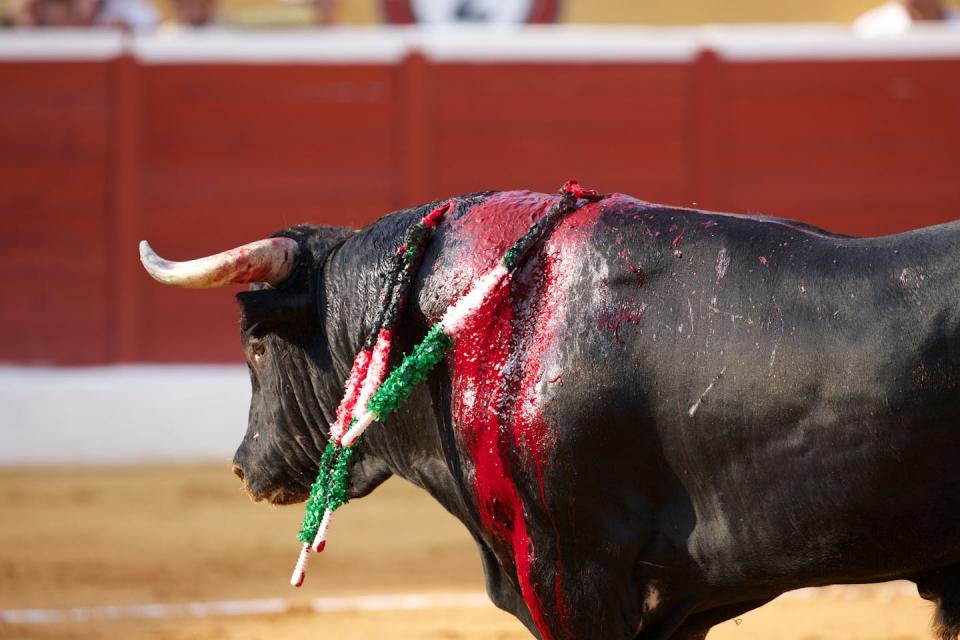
(237, 471)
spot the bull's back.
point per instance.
(726, 383)
(783, 395)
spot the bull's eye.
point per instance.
(257, 351)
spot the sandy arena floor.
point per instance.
(186, 533)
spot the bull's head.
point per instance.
(286, 351)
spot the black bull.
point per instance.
(670, 418)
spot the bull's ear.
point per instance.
(279, 309)
(295, 306)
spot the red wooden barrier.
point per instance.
(231, 153)
(54, 173)
(860, 148)
(200, 156)
(617, 127)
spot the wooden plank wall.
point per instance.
(55, 132)
(197, 157)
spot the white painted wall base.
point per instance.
(118, 414)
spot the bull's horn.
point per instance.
(269, 261)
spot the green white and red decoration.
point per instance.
(368, 398)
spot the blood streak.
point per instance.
(611, 317)
(241, 265)
(634, 269)
(480, 357)
(498, 377)
(677, 241)
(531, 433)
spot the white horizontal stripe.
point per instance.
(819, 42)
(401, 602)
(336, 45)
(331, 604)
(371, 603)
(141, 611)
(564, 43)
(60, 44)
(498, 44)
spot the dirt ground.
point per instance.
(94, 537)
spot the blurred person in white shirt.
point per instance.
(133, 15)
(897, 16)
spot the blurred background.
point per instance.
(204, 124)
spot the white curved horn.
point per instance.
(269, 261)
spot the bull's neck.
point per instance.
(407, 443)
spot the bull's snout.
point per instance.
(273, 486)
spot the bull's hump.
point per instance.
(482, 234)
